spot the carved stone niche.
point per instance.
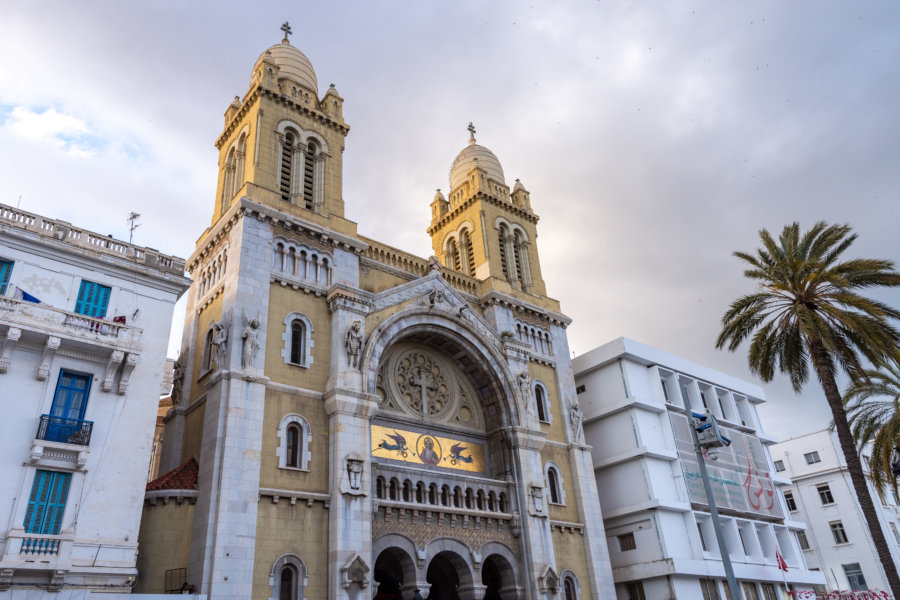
(355, 571)
(548, 580)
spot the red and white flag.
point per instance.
(781, 564)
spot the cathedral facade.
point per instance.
(353, 421)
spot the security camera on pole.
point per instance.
(707, 436)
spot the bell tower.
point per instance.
(282, 144)
(481, 229)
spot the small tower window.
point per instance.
(453, 260)
(287, 158)
(517, 252)
(541, 402)
(293, 445)
(466, 249)
(504, 259)
(297, 336)
(309, 175)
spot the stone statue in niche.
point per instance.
(219, 344)
(353, 341)
(250, 341)
(178, 376)
(354, 470)
(524, 382)
(576, 419)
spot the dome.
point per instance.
(292, 64)
(471, 156)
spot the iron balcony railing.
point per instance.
(67, 431)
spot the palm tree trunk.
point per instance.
(833, 395)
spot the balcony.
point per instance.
(46, 320)
(65, 431)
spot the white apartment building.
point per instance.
(837, 540)
(655, 511)
(84, 327)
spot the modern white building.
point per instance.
(655, 511)
(821, 494)
(84, 327)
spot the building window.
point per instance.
(768, 591)
(626, 542)
(895, 532)
(5, 271)
(710, 589)
(569, 588)
(540, 399)
(634, 590)
(789, 500)
(825, 494)
(293, 449)
(468, 252)
(288, 578)
(779, 465)
(855, 577)
(298, 341)
(285, 177)
(837, 530)
(47, 502)
(812, 457)
(750, 592)
(504, 240)
(554, 484)
(702, 539)
(92, 299)
(71, 395)
(579, 389)
(309, 176)
(741, 535)
(804, 541)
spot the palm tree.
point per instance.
(808, 311)
(873, 410)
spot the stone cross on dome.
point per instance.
(471, 129)
(286, 28)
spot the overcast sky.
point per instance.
(655, 138)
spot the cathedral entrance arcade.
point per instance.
(450, 571)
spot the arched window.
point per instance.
(309, 173)
(541, 402)
(228, 183)
(238, 179)
(298, 340)
(285, 177)
(465, 242)
(208, 350)
(570, 586)
(504, 259)
(287, 583)
(379, 488)
(453, 256)
(288, 578)
(554, 484)
(294, 436)
(517, 253)
(293, 445)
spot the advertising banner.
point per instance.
(739, 477)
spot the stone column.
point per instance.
(349, 413)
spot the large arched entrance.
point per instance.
(499, 578)
(393, 569)
(443, 577)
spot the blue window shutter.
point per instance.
(56, 506)
(93, 299)
(5, 271)
(47, 504)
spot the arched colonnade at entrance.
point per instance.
(446, 569)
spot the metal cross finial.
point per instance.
(286, 28)
(471, 129)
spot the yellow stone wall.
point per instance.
(299, 529)
(569, 549)
(555, 430)
(204, 320)
(165, 543)
(279, 404)
(193, 433)
(284, 300)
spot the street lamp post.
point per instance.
(707, 425)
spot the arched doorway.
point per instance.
(443, 577)
(499, 577)
(392, 568)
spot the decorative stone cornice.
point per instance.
(249, 99)
(514, 304)
(291, 496)
(349, 298)
(313, 114)
(447, 217)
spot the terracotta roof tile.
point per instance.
(179, 478)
